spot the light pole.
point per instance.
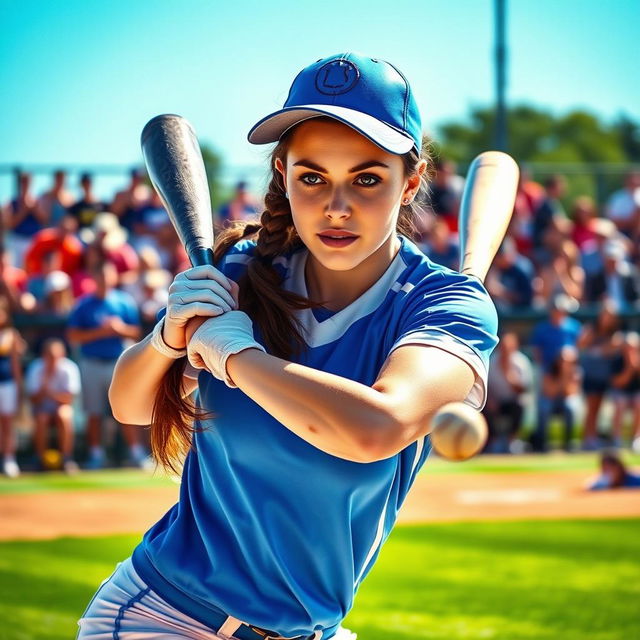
(500, 134)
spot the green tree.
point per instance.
(537, 136)
(213, 165)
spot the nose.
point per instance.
(338, 206)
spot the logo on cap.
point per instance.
(336, 77)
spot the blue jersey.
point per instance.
(272, 530)
(90, 312)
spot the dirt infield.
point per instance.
(434, 498)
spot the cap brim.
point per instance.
(271, 128)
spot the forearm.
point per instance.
(81, 336)
(130, 331)
(337, 415)
(135, 382)
(63, 397)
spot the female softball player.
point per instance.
(330, 343)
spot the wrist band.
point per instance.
(158, 343)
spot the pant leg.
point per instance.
(125, 608)
(545, 410)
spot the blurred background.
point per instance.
(552, 83)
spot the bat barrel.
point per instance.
(174, 162)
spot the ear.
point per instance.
(413, 181)
(279, 165)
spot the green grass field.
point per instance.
(133, 478)
(538, 580)
(517, 580)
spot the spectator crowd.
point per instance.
(90, 276)
(552, 265)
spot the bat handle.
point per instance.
(199, 256)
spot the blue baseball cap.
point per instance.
(367, 94)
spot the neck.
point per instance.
(336, 290)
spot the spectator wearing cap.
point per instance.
(510, 279)
(101, 324)
(128, 203)
(559, 330)
(58, 295)
(243, 206)
(25, 218)
(509, 386)
(55, 202)
(618, 278)
(54, 303)
(52, 382)
(559, 394)
(87, 208)
(623, 206)
(599, 342)
(108, 235)
(441, 246)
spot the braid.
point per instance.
(261, 292)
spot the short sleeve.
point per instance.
(234, 262)
(454, 314)
(131, 312)
(33, 377)
(76, 317)
(73, 376)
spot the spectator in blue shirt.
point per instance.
(558, 331)
(99, 324)
(614, 474)
(510, 281)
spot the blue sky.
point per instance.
(80, 78)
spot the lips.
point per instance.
(337, 238)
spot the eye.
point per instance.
(311, 179)
(367, 180)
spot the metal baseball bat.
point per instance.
(176, 169)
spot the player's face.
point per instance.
(345, 194)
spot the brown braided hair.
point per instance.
(262, 297)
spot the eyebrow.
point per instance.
(361, 167)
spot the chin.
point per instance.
(337, 259)
(339, 263)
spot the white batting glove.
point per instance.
(217, 339)
(199, 291)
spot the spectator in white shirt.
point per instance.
(510, 385)
(52, 383)
(623, 206)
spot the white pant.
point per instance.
(125, 608)
(8, 398)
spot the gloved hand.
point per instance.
(218, 338)
(199, 291)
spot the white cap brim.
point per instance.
(271, 128)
